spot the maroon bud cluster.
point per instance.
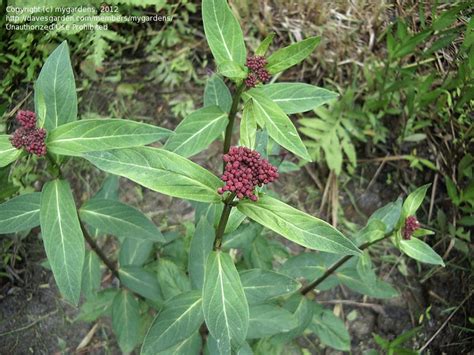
(256, 62)
(28, 136)
(251, 80)
(244, 170)
(411, 225)
(258, 73)
(27, 119)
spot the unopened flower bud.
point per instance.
(244, 171)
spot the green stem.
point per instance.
(309, 287)
(232, 114)
(223, 221)
(54, 168)
(227, 140)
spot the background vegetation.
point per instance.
(404, 72)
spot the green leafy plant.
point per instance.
(217, 285)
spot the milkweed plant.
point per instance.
(216, 289)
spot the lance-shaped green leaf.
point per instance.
(223, 32)
(414, 200)
(8, 153)
(224, 304)
(126, 320)
(330, 329)
(297, 97)
(97, 306)
(62, 237)
(379, 288)
(235, 220)
(91, 274)
(140, 281)
(285, 58)
(388, 214)
(172, 279)
(310, 266)
(267, 320)
(279, 126)
(199, 250)
(297, 226)
(76, 138)
(263, 46)
(20, 213)
(248, 126)
(55, 90)
(302, 310)
(135, 251)
(188, 346)
(119, 219)
(261, 285)
(217, 93)
(374, 229)
(197, 131)
(180, 318)
(161, 171)
(242, 237)
(419, 250)
(232, 70)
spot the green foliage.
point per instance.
(232, 274)
(161, 171)
(125, 320)
(20, 213)
(140, 281)
(197, 131)
(419, 250)
(84, 136)
(297, 97)
(329, 133)
(8, 153)
(224, 303)
(262, 285)
(287, 57)
(199, 250)
(217, 93)
(180, 318)
(62, 237)
(91, 275)
(267, 320)
(119, 219)
(395, 346)
(55, 90)
(278, 125)
(330, 329)
(297, 226)
(223, 32)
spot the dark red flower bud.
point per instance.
(27, 119)
(256, 62)
(263, 75)
(411, 225)
(244, 171)
(251, 80)
(29, 137)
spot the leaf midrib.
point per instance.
(302, 230)
(197, 132)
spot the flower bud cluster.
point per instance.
(244, 170)
(258, 73)
(26, 119)
(28, 136)
(411, 225)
